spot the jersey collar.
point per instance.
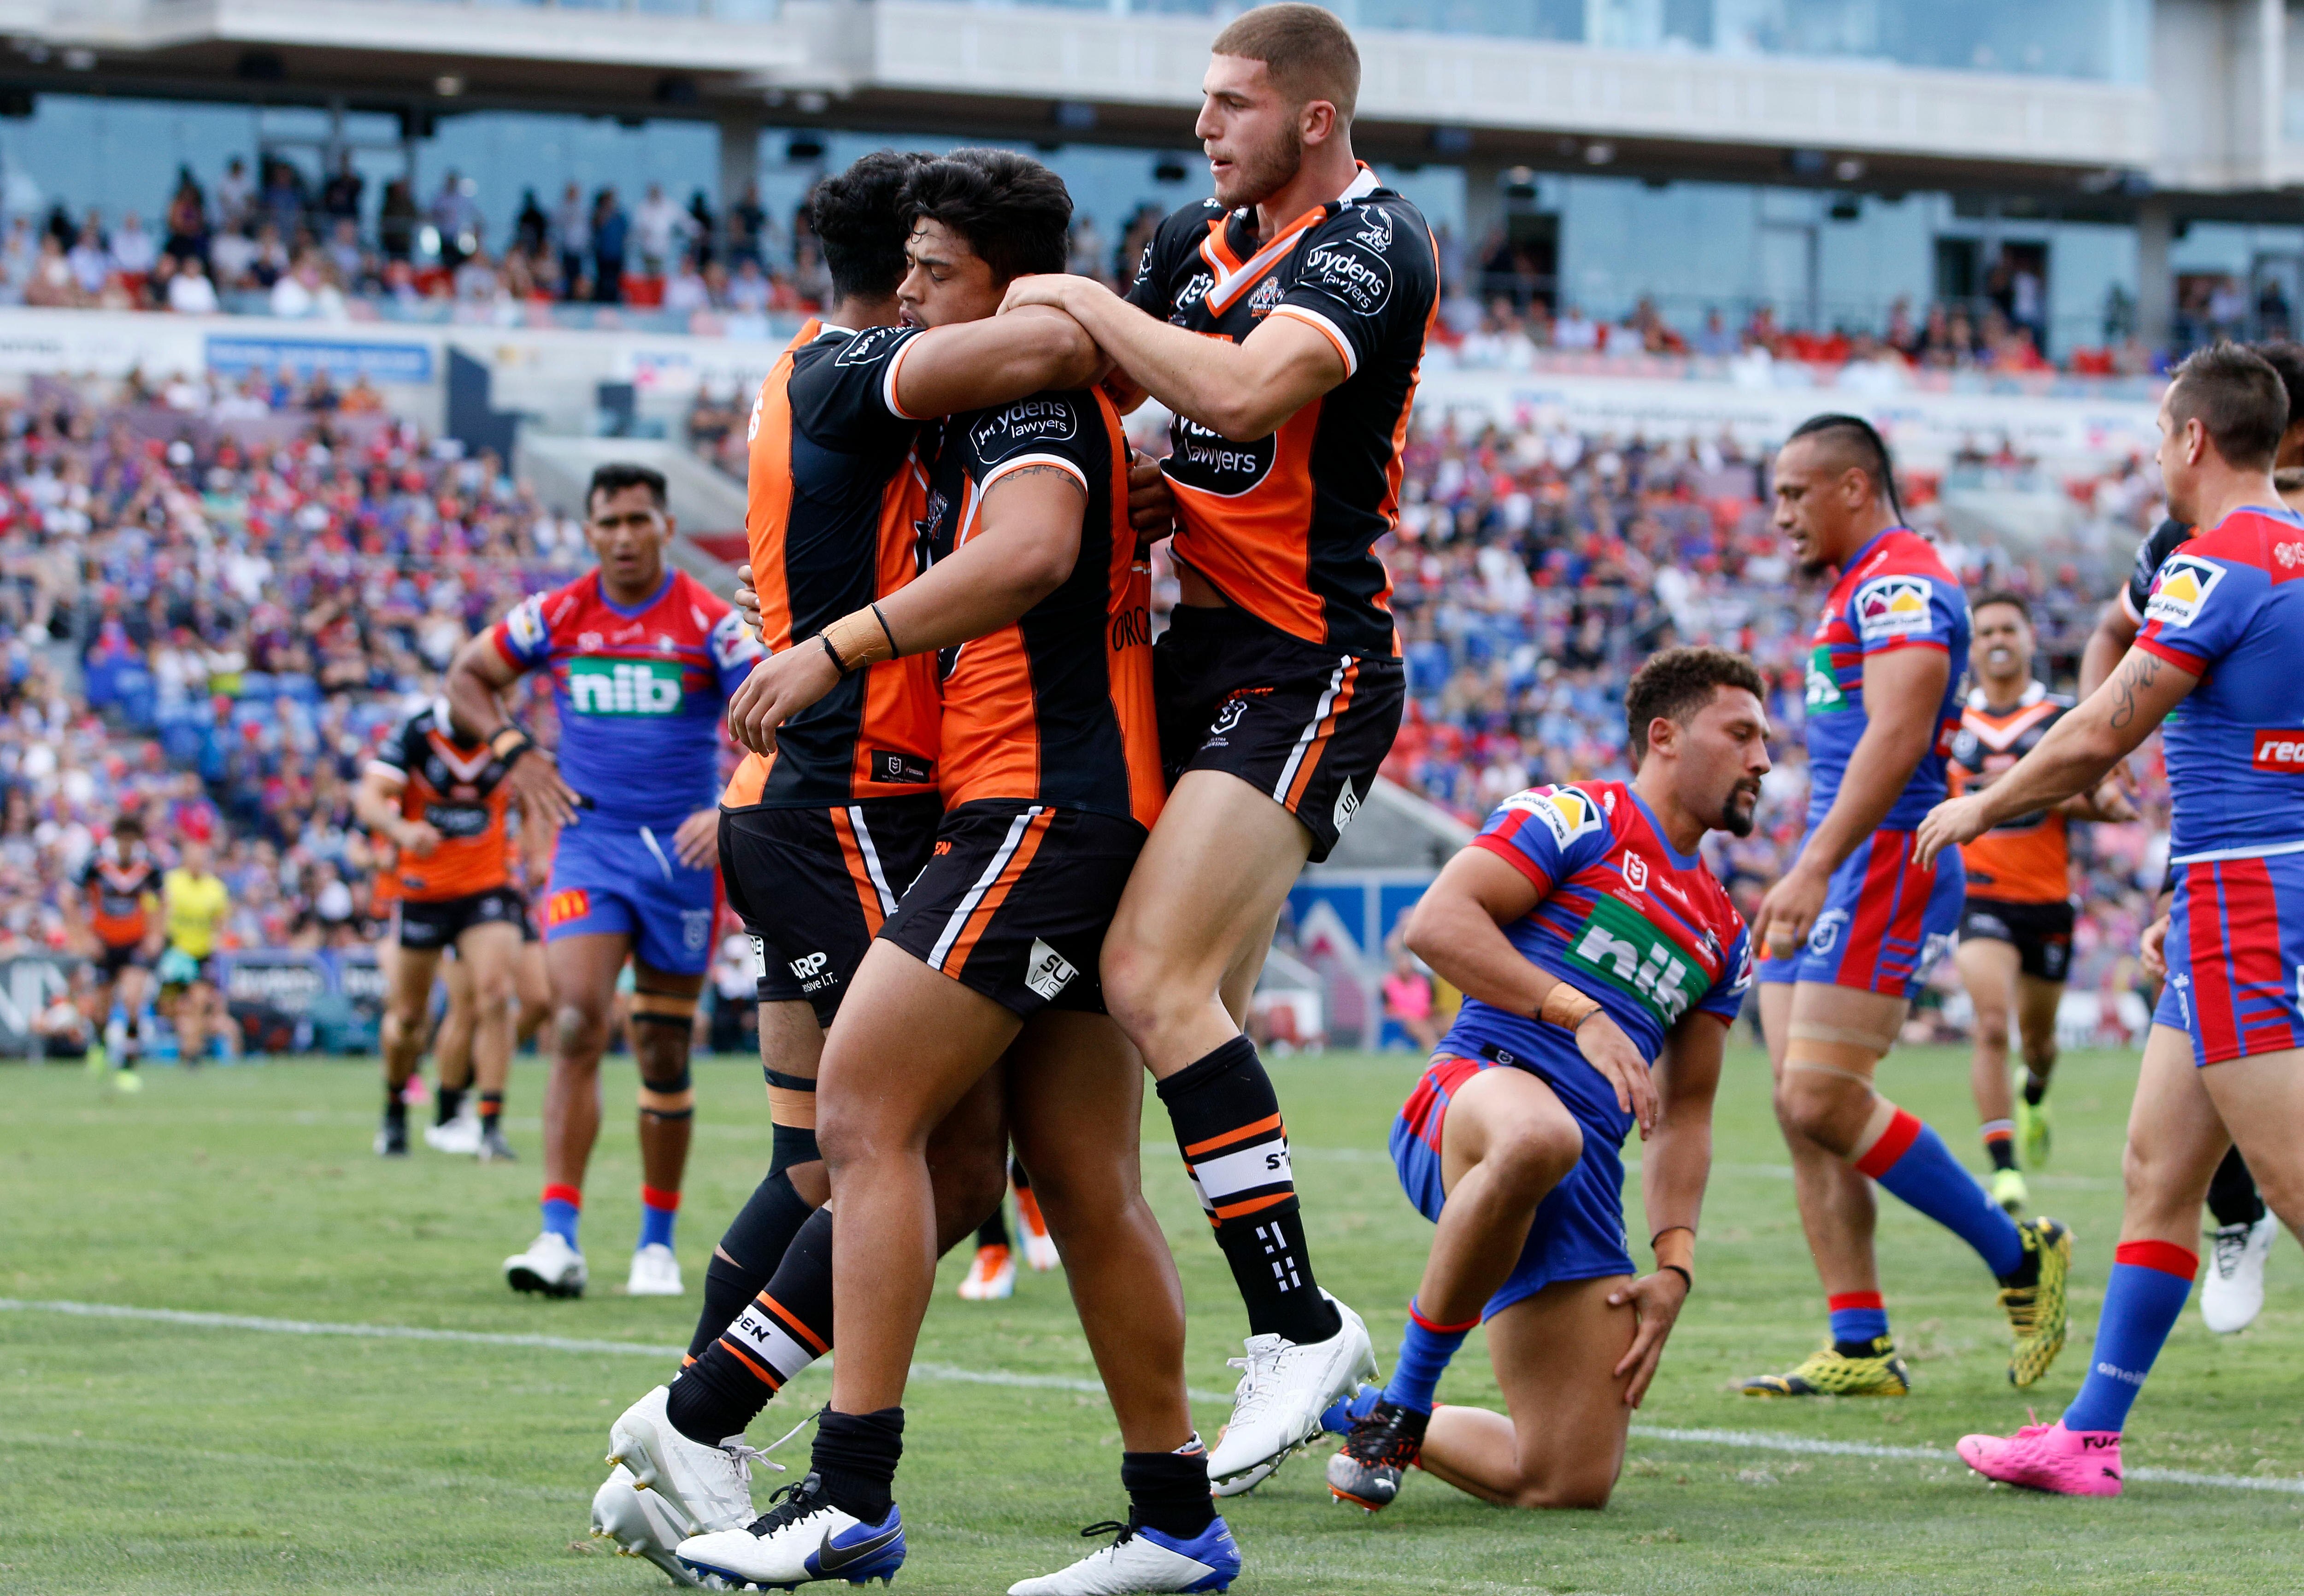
(1680, 861)
(644, 606)
(2034, 691)
(1870, 543)
(1233, 273)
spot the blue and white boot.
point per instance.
(801, 1539)
(1141, 1559)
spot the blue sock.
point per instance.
(1339, 1416)
(1425, 1349)
(1858, 1316)
(1911, 1161)
(562, 1206)
(659, 1211)
(2150, 1281)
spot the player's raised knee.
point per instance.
(1533, 1154)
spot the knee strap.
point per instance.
(667, 1105)
(791, 1101)
(1843, 1036)
(663, 1009)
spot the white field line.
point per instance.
(1758, 1440)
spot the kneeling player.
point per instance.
(1591, 944)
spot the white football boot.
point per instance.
(550, 1265)
(2232, 1295)
(709, 1487)
(1143, 1560)
(1283, 1387)
(801, 1539)
(656, 1272)
(643, 1524)
(991, 1276)
(460, 1136)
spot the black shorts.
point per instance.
(428, 927)
(2041, 933)
(1015, 901)
(117, 957)
(1305, 724)
(813, 886)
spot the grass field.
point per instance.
(148, 1456)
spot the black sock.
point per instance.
(1168, 1491)
(994, 1231)
(2232, 1196)
(2003, 1152)
(394, 1109)
(450, 1099)
(491, 1110)
(856, 1456)
(2036, 1087)
(756, 1238)
(1226, 1119)
(1857, 1348)
(787, 1327)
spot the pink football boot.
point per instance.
(2048, 1457)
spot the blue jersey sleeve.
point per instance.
(1905, 610)
(2199, 609)
(523, 637)
(1726, 998)
(734, 652)
(1548, 833)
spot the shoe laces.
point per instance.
(789, 1504)
(1254, 1392)
(1383, 1439)
(1120, 1534)
(746, 1456)
(2228, 1246)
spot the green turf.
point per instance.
(152, 1457)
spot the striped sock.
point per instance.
(491, 1110)
(562, 1206)
(1425, 1349)
(2000, 1143)
(787, 1327)
(1858, 1318)
(1911, 1161)
(1226, 1118)
(2150, 1281)
(659, 1211)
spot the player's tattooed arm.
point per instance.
(2078, 751)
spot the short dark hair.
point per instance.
(1678, 683)
(2287, 358)
(128, 824)
(617, 476)
(1862, 440)
(2002, 595)
(1013, 211)
(1306, 51)
(860, 223)
(2236, 395)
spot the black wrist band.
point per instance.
(521, 743)
(832, 655)
(894, 652)
(1687, 1278)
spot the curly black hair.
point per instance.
(861, 225)
(1679, 682)
(1012, 211)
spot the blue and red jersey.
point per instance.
(1895, 593)
(640, 691)
(1625, 917)
(2228, 607)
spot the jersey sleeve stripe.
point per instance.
(1023, 460)
(2183, 658)
(1492, 843)
(385, 767)
(1334, 335)
(888, 383)
(2128, 608)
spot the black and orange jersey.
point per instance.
(1056, 707)
(836, 493)
(1285, 526)
(2024, 861)
(121, 895)
(457, 788)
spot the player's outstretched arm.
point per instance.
(2075, 754)
(477, 678)
(1457, 928)
(376, 802)
(1027, 539)
(970, 365)
(2114, 635)
(1904, 695)
(1242, 391)
(1674, 1167)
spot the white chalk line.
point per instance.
(1759, 1440)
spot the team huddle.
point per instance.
(999, 853)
